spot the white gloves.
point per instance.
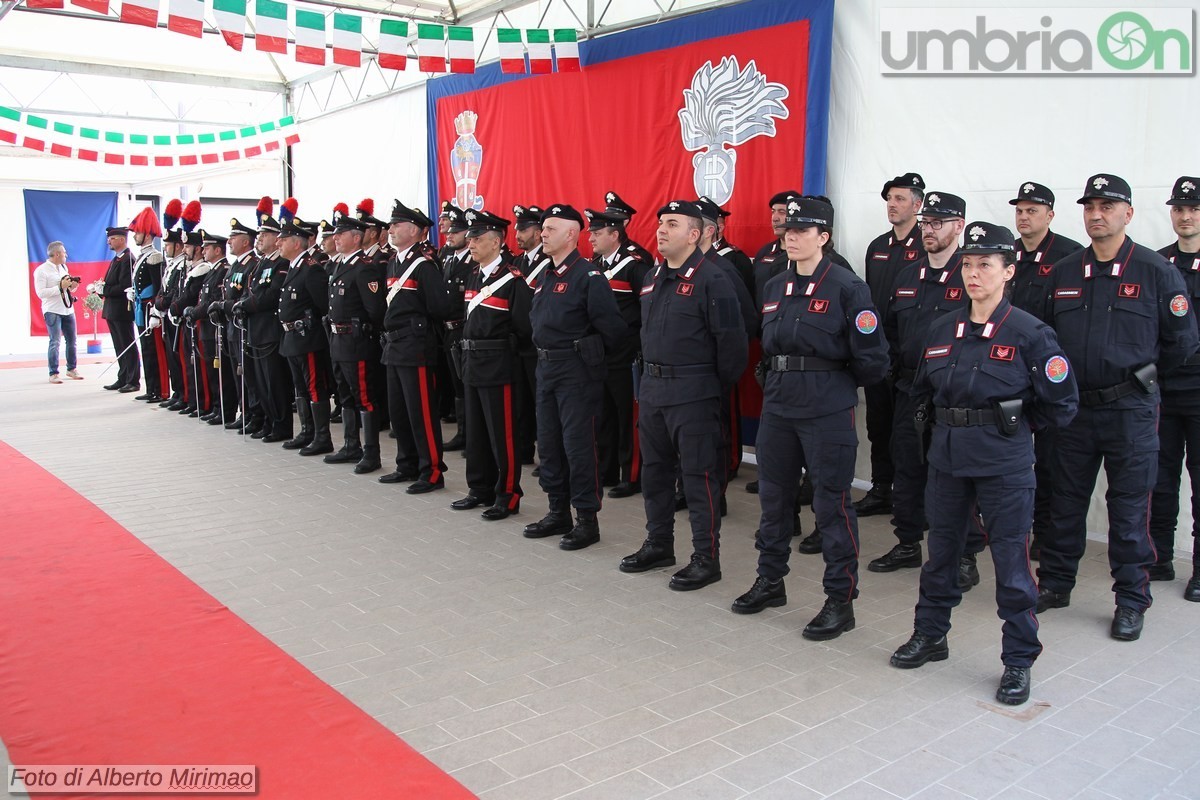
(130, 294)
(154, 322)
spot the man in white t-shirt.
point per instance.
(53, 284)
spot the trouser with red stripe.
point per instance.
(567, 415)
(312, 376)
(618, 440)
(687, 438)
(176, 379)
(154, 361)
(413, 397)
(1006, 502)
(493, 465)
(357, 384)
(831, 444)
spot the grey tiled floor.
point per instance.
(529, 673)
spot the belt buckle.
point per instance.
(958, 417)
(654, 370)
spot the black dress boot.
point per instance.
(370, 451)
(351, 450)
(304, 412)
(321, 441)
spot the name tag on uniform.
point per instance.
(647, 289)
(769, 307)
(1060, 294)
(941, 351)
(1002, 352)
(906, 293)
(879, 256)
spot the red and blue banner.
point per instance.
(78, 220)
(732, 103)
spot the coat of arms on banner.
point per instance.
(466, 159)
(726, 105)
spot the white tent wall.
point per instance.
(376, 150)
(981, 137)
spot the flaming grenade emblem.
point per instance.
(726, 105)
(466, 159)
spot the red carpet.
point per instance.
(109, 655)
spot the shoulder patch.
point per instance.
(1057, 369)
(866, 321)
(593, 273)
(373, 286)
(1179, 305)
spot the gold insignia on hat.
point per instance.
(233, 223)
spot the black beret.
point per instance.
(909, 180)
(563, 211)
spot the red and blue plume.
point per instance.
(265, 207)
(366, 206)
(287, 209)
(146, 222)
(172, 213)
(191, 216)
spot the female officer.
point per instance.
(992, 372)
(821, 340)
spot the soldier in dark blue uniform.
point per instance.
(821, 341)
(243, 267)
(118, 311)
(496, 330)
(734, 254)
(1179, 425)
(1038, 248)
(260, 306)
(886, 256)
(991, 373)
(213, 382)
(575, 321)
(457, 268)
(1123, 314)
(531, 263)
(923, 290)
(357, 302)
(303, 302)
(693, 349)
(418, 303)
(618, 209)
(617, 440)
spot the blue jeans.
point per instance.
(60, 325)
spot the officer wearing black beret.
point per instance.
(620, 457)
(495, 331)
(1038, 249)
(1179, 422)
(991, 372)
(357, 302)
(771, 259)
(303, 302)
(418, 303)
(1123, 315)
(886, 255)
(821, 341)
(693, 349)
(575, 322)
(922, 291)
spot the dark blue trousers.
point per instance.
(1125, 441)
(567, 418)
(1006, 503)
(1178, 433)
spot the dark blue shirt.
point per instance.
(919, 295)
(1181, 386)
(1029, 289)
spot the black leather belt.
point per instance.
(484, 344)
(341, 328)
(1110, 394)
(965, 417)
(555, 355)
(804, 364)
(682, 371)
(295, 327)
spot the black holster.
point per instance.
(1008, 415)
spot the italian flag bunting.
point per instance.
(462, 49)
(347, 40)
(310, 37)
(186, 17)
(512, 50)
(43, 3)
(140, 12)
(431, 48)
(231, 21)
(566, 50)
(270, 26)
(99, 6)
(539, 50)
(393, 41)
